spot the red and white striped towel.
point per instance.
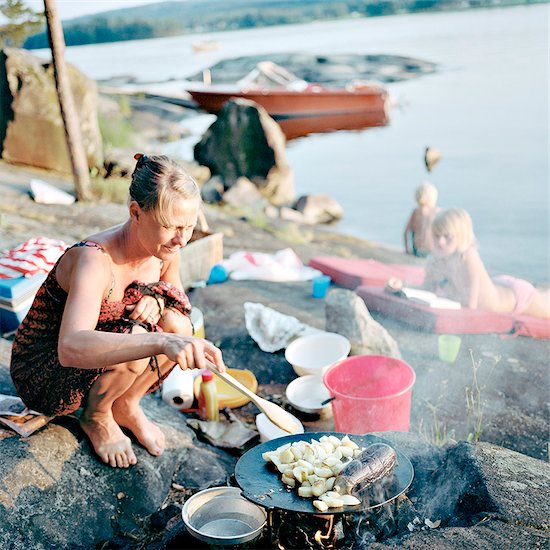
(37, 255)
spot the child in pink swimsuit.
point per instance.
(456, 271)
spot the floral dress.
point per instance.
(41, 381)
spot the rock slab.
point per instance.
(31, 127)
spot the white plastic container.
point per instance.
(307, 393)
(269, 431)
(197, 319)
(315, 353)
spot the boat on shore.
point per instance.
(205, 46)
(300, 107)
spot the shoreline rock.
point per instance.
(52, 469)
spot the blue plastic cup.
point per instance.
(218, 274)
(320, 286)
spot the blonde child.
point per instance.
(417, 234)
(456, 271)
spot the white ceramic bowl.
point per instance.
(269, 431)
(315, 353)
(306, 394)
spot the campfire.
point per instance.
(447, 492)
(459, 491)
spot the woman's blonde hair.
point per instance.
(155, 181)
(426, 194)
(458, 223)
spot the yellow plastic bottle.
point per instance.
(208, 398)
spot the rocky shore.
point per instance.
(55, 469)
(496, 391)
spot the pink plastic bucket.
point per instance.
(372, 393)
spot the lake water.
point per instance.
(486, 110)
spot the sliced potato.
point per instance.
(286, 457)
(349, 500)
(311, 467)
(320, 505)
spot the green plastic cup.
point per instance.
(449, 346)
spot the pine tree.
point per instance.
(19, 21)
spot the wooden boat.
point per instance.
(205, 46)
(299, 106)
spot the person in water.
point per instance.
(455, 270)
(111, 320)
(417, 235)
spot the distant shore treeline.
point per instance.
(192, 16)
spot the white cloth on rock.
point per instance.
(272, 330)
(283, 266)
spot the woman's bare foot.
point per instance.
(132, 417)
(107, 439)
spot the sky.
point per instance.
(67, 9)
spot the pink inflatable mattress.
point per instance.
(352, 272)
(452, 321)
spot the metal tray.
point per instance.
(262, 485)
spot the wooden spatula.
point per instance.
(276, 414)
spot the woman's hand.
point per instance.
(394, 285)
(147, 310)
(192, 353)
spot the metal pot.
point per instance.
(221, 516)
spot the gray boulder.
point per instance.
(55, 493)
(31, 128)
(348, 315)
(319, 209)
(212, 190)
(245, 141)
(244, 194)
(485, 496)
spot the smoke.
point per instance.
(494, 390)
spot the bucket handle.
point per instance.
(327, 401)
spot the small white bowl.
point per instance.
(306, 394)
(269, 431)
(315, 353)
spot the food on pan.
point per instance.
(314, 468)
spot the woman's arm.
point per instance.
(85, 275)
(151, 308)
(81, 346)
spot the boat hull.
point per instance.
(288, 104)
(302, 112)
(302, 126)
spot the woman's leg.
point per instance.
(126, 409)
(97, 419)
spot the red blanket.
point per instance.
(352, 272)
(452, 321)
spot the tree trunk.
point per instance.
(70, 118)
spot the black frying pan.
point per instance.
(261, 484)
